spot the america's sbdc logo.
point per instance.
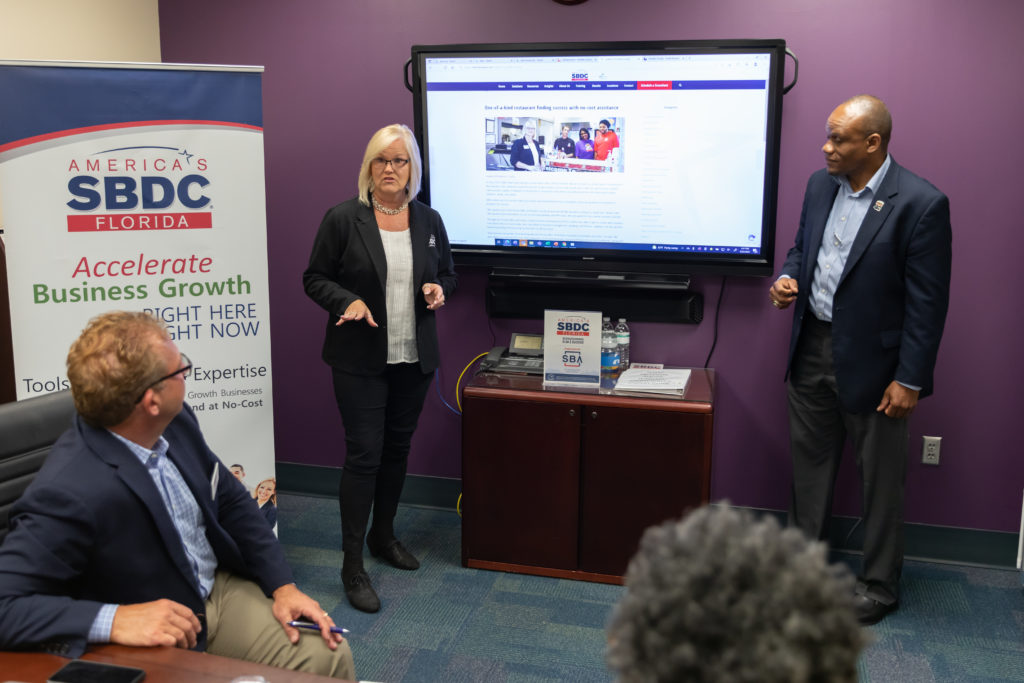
(572, 331)
(573, 326)
(139, 188)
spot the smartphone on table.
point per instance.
(83, 671)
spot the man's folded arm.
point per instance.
(53, 623)
(40, 559)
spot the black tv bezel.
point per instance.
(625, 262)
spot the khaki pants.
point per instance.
(241, 625)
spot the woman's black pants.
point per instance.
(379, 413)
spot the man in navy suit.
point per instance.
(135, 533)
(869, 276)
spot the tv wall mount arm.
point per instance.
(786, 88)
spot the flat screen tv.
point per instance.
(633, 158)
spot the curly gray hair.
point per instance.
(720, 596)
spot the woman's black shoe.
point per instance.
(394, 553)
(359, 591)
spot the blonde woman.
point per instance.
(381, 267)
(265, 494)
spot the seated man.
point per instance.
(134, 532)
(721, 597)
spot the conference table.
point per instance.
(161, 664)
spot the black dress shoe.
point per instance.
(870, 611)
(359, 591)
(394, 553)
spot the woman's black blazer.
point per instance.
(348, 263)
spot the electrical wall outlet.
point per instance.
(930, 450)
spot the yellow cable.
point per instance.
(458, 403)
(458, 399)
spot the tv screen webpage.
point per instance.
(660, 158)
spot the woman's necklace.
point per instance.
(385, 210)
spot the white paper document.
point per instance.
(652, 380)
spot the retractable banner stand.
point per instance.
(140, 187)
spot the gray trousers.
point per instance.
(818, 428)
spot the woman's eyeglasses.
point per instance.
(397, 163)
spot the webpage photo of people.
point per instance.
(534, 143)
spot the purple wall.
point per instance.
(950, 72)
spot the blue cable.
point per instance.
(437, 387)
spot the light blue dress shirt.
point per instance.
(187, 518)
(848, 211)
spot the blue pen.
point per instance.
(313, 627)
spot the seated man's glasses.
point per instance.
(184, 371)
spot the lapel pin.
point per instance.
(878, 205)
(432, 242)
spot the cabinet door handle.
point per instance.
(572, 412)
(593, 415)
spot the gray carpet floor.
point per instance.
(444, 622)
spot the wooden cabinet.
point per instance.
(563, 483)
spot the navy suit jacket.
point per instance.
(347, 263)
(93, 529)
(890, 305)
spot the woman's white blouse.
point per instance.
(400, 297)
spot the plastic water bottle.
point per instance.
(606, 327)
(609, 358)
(622, 339)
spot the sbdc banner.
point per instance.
(140, 187)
